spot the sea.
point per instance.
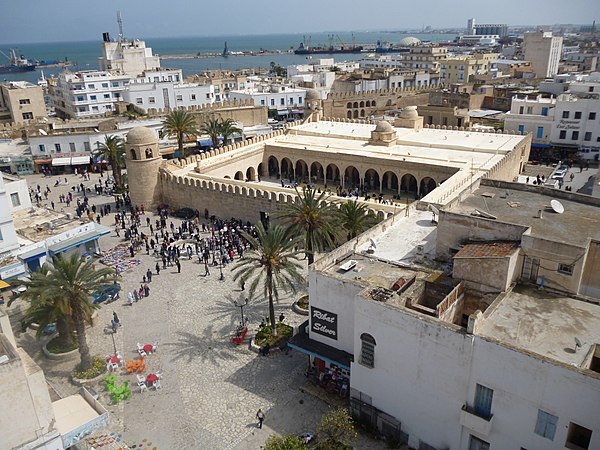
(85, 54)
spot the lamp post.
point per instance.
(241, 306)
(112, 335)
(221, 277)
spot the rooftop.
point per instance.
(520, 205)
(544, 323)
(488, 250)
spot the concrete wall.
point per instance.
(590, 281)
(488, 274)
(21, 190)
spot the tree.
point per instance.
(336, 429)
(228, 128)
(287, 442)
(272, 262)
(277, 70)
(68, 284)
(313, 218)
(113, 151)
(212, 127)
(179, 123)
(354, 219)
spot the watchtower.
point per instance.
(143, 161)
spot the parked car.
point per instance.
(107, 294)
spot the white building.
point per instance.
(544, 52)
(471, 362)
(271, 95)
(382, 61)
(577, 124)
(127, 57)
(317, 74)
(535, 116)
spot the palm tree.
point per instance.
(179, 123)
(113, 151)
(272, 262)
(353, 218)
(313, 218)
(212, 127)
(229, 128)
(67, 285)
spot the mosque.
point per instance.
(403, 160)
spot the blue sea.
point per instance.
(86, 53)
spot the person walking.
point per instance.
(261, 417)
(115, 322)
(157, 269)
(206, 271)
(130, 298)
(149, 276)
(178, 264)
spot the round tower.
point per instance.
(312, 104)
(143, 160)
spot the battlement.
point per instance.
(382, 92)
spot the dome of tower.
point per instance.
(383, 127)
(141, 136)
(410, 112)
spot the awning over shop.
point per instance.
(32, 254)
(304, 344)
(4, 284)
(67, 244)
(43, 161)
(78, 160)
(61, 161)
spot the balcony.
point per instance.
(471, 420)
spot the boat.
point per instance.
(308, 49)
(16, 63)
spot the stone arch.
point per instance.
(373, 104)
(390, 182)
(227, 177)
(239, 175)
(148, 153)
(251, 174)
(368, 104)
(301, 169)
(380, 215)
(351, 176)
(408, 183)
(316, 173)
(362, 113)
(332, 173)
(273, 166)
(355, 114)
(427, 185)
(355, 105)
(372, 180)
(287, 168)
(133, 154)
(388, 103)
(260, 170)
(361, 104)
(349, 115)
(349, 105)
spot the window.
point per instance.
(57, 148)
(530, 110)
(272, 102)
(24, 101)
(72, 146)
(179, 98)
(591, 89)
(14, 198)
(1, 235)
(565, 115)
(151, 100)
(540, 132)
(80, 98)
(563, 134)
(94, 108)
(578, 114)
(262, 102)
(578, 437)
(106, 95)
(544, 111)
(299, 100)
(478, 444)
(546, 424)
(86, 146)
(291, 100)
(105, 85)
(592, 116)
(575, 135)
(282, 101)
(587, 136)
(92, 97)
(109, 107)
(566, 269)
(139, 101)
(193, 97)
(42, 148)
(91, 86)
(521, 128)
(483, 401)
(115, 84)
(27, 116)
(367, 350)
(521, 109)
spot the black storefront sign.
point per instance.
(323, 322)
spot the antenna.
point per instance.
(120, 23)
(557, 206)
(578, 343)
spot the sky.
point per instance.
(25, 21)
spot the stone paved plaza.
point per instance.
(211, 388)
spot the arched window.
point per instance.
(367, 350)
(148, 153)
(133, 155)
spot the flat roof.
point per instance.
(72, 412)
(544, 323)
(488, 250)
(575, 226)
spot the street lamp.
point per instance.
(241, 306)
(222, 278)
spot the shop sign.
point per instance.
(323, 322)
(568, 125)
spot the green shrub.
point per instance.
(303, 302)
(56, 345)
(98, 368)
(264, 336)
(287, 442)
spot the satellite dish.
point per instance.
(578, 343)
(557, 206)
(434, 210)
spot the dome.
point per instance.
(383, 127)
(312, 95)
(408, 41)
(141, 136)
(410, 112)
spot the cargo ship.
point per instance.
(16, 63)
(308, 49)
